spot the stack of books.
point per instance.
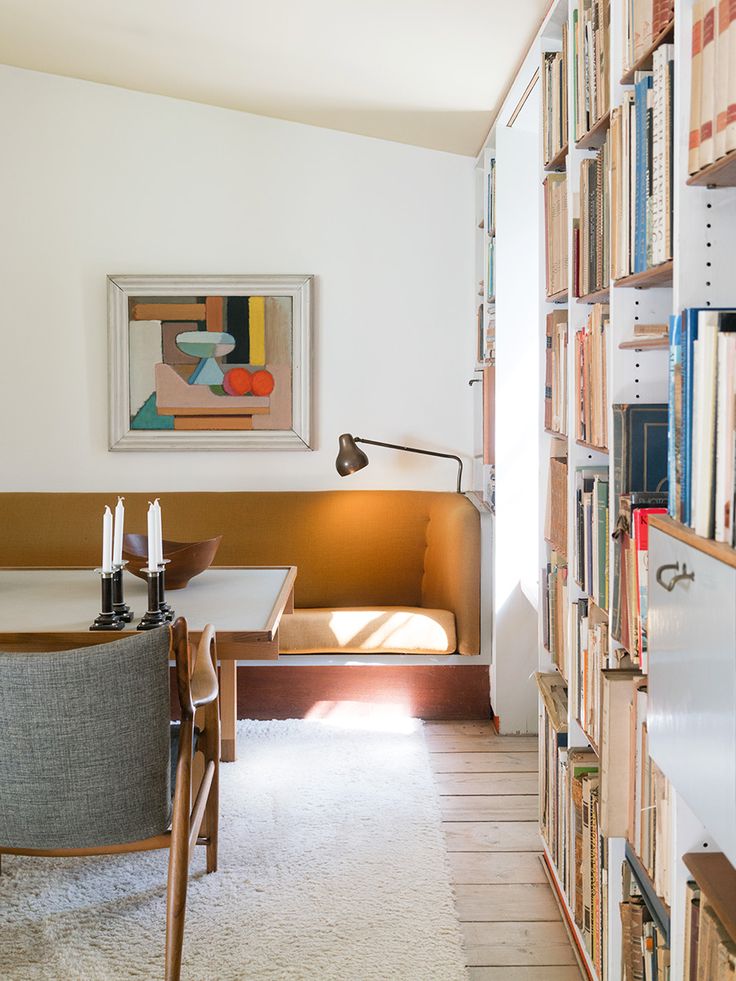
(713, 87)
(554, 100)
(593, 259)
(591, 27)
(555, 239)
(555, 380)
(588, 883)
(589, 657)
(710, 951)
(553, 795)
(702, 396)
(591, 533)
(642, 163)
(650, 805)
(644, 21)
(632, 545)
(644, 950)
(591, 407)
(554, 611)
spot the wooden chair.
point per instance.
(85, 756)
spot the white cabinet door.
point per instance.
(691, 713)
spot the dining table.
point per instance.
(52, 609)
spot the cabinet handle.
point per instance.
(669, 586)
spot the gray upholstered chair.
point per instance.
(86, 756)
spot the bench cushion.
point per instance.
(368, 629)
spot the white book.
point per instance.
(724, 437)
(704, 422)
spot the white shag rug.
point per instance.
(332, 866)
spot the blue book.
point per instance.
(640, 454)
(674, 421)
(642, 164)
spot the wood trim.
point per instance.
(717, 550)
(288, 691)
(522, 101)
(722, 173)
(286, 591)
(657, 277)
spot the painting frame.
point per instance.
(122, 288)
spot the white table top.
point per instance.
(68, 600)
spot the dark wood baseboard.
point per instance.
(281, 691)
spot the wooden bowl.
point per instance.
(188, 559)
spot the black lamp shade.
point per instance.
(349, 458)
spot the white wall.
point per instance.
(97, 180)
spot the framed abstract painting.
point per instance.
(210, 362)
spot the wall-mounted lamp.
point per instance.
(350, 458)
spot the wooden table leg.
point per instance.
(228, 709)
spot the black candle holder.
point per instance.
(107, 619)
(167, 610)
(118, 602)
(153, 616)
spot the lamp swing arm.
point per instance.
(413, 449)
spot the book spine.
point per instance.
(723, 12)
(706, 152)
(693, 157)
(731, 103)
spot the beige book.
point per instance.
(696, 85)
(706, 151)
(723, 20)
(731, 109)
(616, 695)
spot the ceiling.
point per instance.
(426, 72)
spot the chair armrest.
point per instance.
(203, 683)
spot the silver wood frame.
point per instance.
(122, 437)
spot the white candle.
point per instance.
(151, 536)
(107, 540)
(159, 533)
(117, 538)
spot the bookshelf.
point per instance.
(685, 262)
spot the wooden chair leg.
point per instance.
(176, 901)
(229, 708)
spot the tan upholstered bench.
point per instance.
(378, 572)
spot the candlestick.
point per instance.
(118, 601)
(153, 616)
(107, 540)
(107, 619)
(117, 538)
(167, 610)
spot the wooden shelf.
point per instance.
(583, 957)
(592, 446)
(717, 878)
(647, 59)
(560, 297)
(722, 173)
(645, 344)
(598, 296)
(657, 907)
(657, 276)
(595, 136)
(482, 223)
(717, 550)
(559, 161)
(553, 432)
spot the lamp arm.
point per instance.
(414, 449)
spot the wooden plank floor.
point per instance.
(488, 794)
